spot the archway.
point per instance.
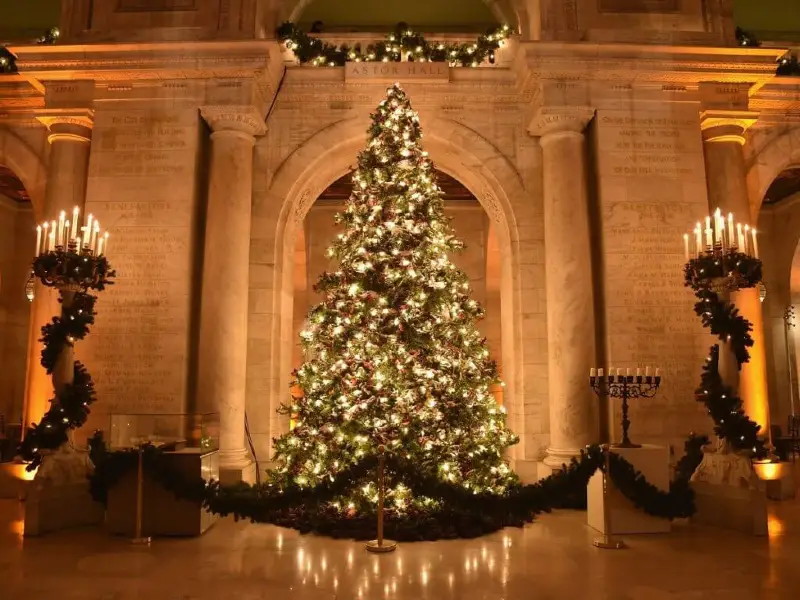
(779, 233)
(298, 182)
(16, 241)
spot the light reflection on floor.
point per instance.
(552, 558)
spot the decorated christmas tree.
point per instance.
(395, 364)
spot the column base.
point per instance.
(236, 466)
(558, 458)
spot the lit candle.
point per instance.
(62, 215)
(717, 227)
(698, 232)
(65, 239)
(755, 243)
(627, 372)
(93, 239)
(105, 245)
(747, 249)
(731, 239)
(45, 227)
(599, 372)
(99, 246)
(592, 372)
(619, 372)
(38, 239)
(658, 372)
(75, 213)
(51, 245)
(647, 371)
(686, 246)
(638, 372)
(739, 237)
(709, 238)
(78, 242)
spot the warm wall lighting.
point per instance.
(770, 471)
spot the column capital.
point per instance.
(726, 125)
(70, 125)
(548, 120)
(241, 120)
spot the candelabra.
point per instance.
(72, 264)
(625, 387)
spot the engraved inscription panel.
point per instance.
(651, 180)
(153, 5)
(641, 6)
(142, 187)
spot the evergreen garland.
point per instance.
(8, 62)
(734, 270)
(789, 66)
(69, 409)
(403, 44)
(455, 511)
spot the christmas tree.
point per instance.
(394, 361)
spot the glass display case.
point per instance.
(187, 430)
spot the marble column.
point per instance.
(569, 290)
(224, 303)
(70, 143)
(726, 179)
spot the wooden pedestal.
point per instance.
(162, 513)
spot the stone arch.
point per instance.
(329, 154)
(27, 165)
(503, 10)
(767, 163)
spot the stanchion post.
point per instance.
(138, 538)
(380, 545)
(607, 541)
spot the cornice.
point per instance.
(142, 61)
(74, 125)
(633, 63)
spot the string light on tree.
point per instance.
(399, 367)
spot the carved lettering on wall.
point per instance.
(640, 6)
(402, 71)
(155, 5)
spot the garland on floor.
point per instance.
(8, 62)
(403, 44)
(455, 511)
(69, 409)
(723, 319)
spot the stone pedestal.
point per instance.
(569, 290)
(224, 303)
(624, 517)
(729, 494)
(58, 497)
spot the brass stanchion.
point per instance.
(607, 541)
(381, 545)
(138, 537)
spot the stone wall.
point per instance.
(146, 186)
(651, 190)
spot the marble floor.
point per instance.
(552, 558)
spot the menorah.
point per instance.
(626, 387)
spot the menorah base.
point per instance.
(626, 445)
(381, 547)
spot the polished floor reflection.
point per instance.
(550, 559)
